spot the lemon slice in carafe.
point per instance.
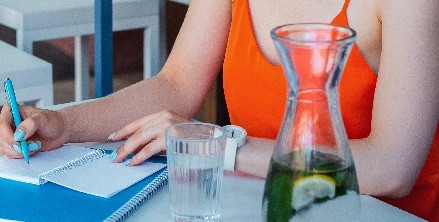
(307, 189)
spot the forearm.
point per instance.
(389, 166)
(381, 171)
(181, 85)
(254, 157)
(94, 121)
(372, 166)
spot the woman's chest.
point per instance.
(361, 16)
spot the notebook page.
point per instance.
(39, 163)
(103, 178)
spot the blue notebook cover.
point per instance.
(51, 202)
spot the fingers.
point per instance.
(26, 129)
(6, 116)
(140, 138)
(131, 128)
(145, 122)
(6, 131)
(146, 137)
(14, 151)
(39, 128)
(32, 146)
(45, 127)
(7, 150)
(148, 151)
(31, 121)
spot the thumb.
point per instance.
(29, 126)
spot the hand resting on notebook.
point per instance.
(145, 136)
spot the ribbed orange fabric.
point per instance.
(255, 93)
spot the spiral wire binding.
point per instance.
(135, 202)
(72, 164)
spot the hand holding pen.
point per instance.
(9, 88)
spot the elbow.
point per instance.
(394, 187)
(399, 190)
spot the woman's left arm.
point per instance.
(406, 104)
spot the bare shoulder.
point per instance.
(410, 20)
(378, 20)
(401, 8)
(428, 9)
(410, 15)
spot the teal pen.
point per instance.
(10, 94)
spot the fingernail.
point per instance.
(111, 136)
(127, 162)
(34, 146)
(19, 135)
(113, 156)
(17, 148)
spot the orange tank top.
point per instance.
(255, 92)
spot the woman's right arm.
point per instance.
(181, 86)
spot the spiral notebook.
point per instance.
(79, 168)
(22, 200)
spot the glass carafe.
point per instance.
(312, 175)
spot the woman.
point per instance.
(391, 120)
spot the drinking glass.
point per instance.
(195, 156)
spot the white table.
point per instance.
(241, 200)
(38, 20)
(31, 76)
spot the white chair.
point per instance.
(38, 20)
(31, 76)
